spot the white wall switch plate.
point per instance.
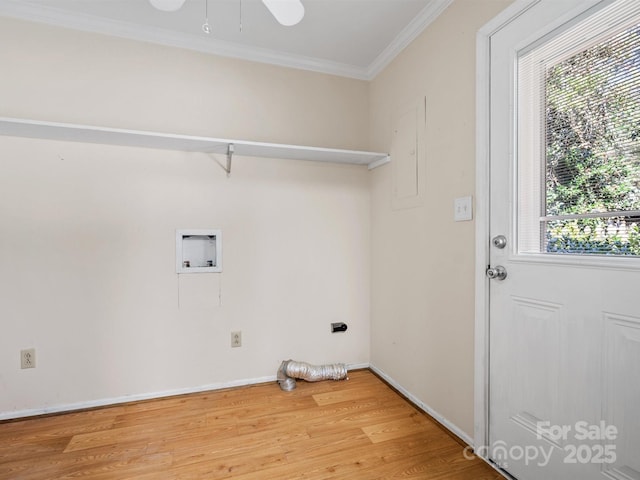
(463, 209)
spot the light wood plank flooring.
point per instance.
(355, 429)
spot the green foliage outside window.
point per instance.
(593, 148)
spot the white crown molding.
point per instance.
(88, 23)
(406, 36)
(92, 24)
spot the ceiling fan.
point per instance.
(286, 12)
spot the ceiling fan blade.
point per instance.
(286, 12)
(167, 5)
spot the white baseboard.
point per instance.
(453, 428)
(131, 398)
(357, 366)
(103, 402)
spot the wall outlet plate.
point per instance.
(28, 358)
(236, 339)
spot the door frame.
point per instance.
(483, 109)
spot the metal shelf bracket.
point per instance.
(230, 151)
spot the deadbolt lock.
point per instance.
(499, 241)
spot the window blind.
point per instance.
(579, 103)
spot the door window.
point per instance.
(579, 138)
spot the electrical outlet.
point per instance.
(28, 358)
(236, 339)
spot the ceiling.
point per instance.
(352, 38)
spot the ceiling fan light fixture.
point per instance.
(167, 5)
(206, 28)
(286, 12)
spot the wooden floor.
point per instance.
(355, 429)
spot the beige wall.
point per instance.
(423, 267)
(67, 76)
(87, 232)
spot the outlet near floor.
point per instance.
(236, 339)
(28, 358)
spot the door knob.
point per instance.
(497, 273)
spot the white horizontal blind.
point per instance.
(579, 138)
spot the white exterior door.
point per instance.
(564, 341)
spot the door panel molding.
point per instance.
(622, 349)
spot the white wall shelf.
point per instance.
(136, 138)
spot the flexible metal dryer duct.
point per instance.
(290, 370)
